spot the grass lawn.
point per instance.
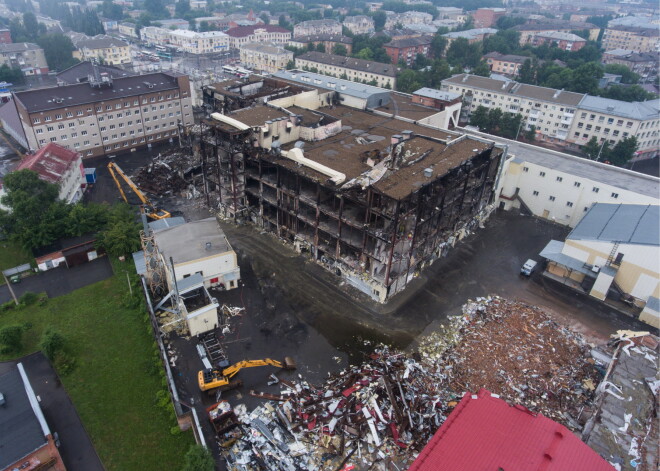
(12, 255)
(113, 384)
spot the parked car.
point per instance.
(528, 267)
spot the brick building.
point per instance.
(565, 41)
(329, 42)
(28, 57)
(5, 36)
(407, 49)
(487, 17)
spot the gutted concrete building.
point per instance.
(349, 188)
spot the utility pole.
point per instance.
(520, 126)
(11, 290)
(600, 150)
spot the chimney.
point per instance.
(396, 139)
(428, 172)
(407, 135)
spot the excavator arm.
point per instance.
(215, 378)
(152, 212)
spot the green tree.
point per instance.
(585, 78)
(494, 119)
(439, 71)
(380, 17)
(479, 118)
(111, 10)
(366, 54)
(58, 50)
(284, 23)
(439, 43)
(530, 134)
(86, 218)
(122, 233)
(320, 47)
(506, 22)
(265, 18)
(591, 148)
(51, 343)
(483, 69)
(181, 8)
(198, 458)
(623, 151)
(156, 9)
(339, 50)
(11, 75)
(11, 339)
(627, 75)
(31, 25)
(623, 93)
(421, 61)
(290, 65)
(408, 81)
(462, 53)
(526, 73)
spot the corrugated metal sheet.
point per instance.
(625, 223)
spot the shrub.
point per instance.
(198, 458)
(28, 298)
(11, 339)
(52, 342)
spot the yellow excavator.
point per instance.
(150, 209)
(213, 378)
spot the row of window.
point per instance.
(576, 184)
(99, 108)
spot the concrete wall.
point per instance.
(212, 267)
(203, 319)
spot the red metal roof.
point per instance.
(51, 162)
(242, 31)
(484, 433)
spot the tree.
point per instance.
(506, 22)
(51, 343)
(526, 74)
(623, 93)
(339, 50)
(58, 50)
(462, 53)
(265, 18)
(421, 61)
(380, 17)
(585, 78)
(156, 9)
(365, 54)
(479, 118)
(11, 339)
(198, 458)
(284, 23)
(11, 75)
(86, 218)
(290, 65)
(181, 8)
(31, 25)
(320, 47)
(627, 75)
(192, 24)
(439, 43)
(408, 81)
(530, 134)
(111, 10)
(495, 116)
(623, 151)
(483, 69)
(591, 148)
(122, 233)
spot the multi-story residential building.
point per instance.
(613, 120)
(106, 49)
(60, 166)
(565, 41)
(407, 49)
(507, 64)
(632, 38)
(105, 116)
(407, 18)
(374, 73)
(265, 57)
(192, 42)
(127, 30)
(529, 30)
(198, 4)
(307, 28)
(5, 36)
(360, 24)
(487, 17)
(258, 34)
(451, 13)
(28, 57)
(644, 64)
(550, 111)
(472, 35)
(329, 42)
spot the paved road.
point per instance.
(76, 448)
(61, 280)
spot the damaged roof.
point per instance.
(202, 238)
(483, 432)
(51, 162)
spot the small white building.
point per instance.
(199, 247)
(614, 248)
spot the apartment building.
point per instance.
(329, 42)
(407, 18)
(360, 24)
(644, 64)
(487, 17)
(127, 30)
(106, 116)
(506, 64)
(472, 35)
(264, 57)
(374, 73)
(105, 49)
(613, 120)
(529, 30)
(28, 57)
(631, 37)
(258, 34)
(192, 42)
(5, 36)
(551, 111)
(406, 49)
(307, 28)
(564, 41)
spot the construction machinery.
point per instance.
(150, 209)
(213, 378)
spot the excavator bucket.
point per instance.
(289, 363)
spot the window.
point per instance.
(559, 179)
(58, 116)
(83, 133)
(108, 107)
(105, 138)
(39, 131)
(118, 106)
(126, 104)
(74, 134)
(72, 124)
(69, 114)
(48, 118)
(49, 128)
(551, 198)
(36, 120)
(112, 126)
(64, 137)
(542, 174)
(615, 195)
(569, 204)
(595, 189)
(535, 193)
(42, 141)
(53, 139)
(577, 184)
(60, 126)
(101, 119)
(79, 112)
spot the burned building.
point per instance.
(236, 94)
(348, 188)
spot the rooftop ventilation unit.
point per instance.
(428, 172)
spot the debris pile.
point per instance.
(383, 411)
(169, 173)
(518, 352)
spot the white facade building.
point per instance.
(191, 42)
(360, 24)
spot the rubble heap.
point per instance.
(169, 173)
(518, 352)
(384, 410)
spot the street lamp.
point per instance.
(600, 150)
(520, 126)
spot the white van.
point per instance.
(528, 268)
